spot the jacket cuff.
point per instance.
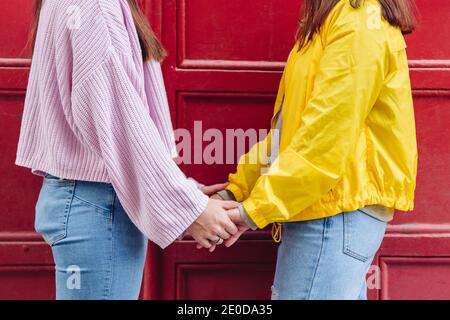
(226, 195)
(236, 191)
(257, 218)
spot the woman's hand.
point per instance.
(214, 225)
(212, 189)
(240, 224)
(216, 197)
(242, 227)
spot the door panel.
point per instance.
(18, 189)
(224, 112)
(236, 281)
(227, 39)
(435, 49)
(27, 283)
(415, 278)
(15, 24)
(432, 193)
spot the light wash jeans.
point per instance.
(98, 252)
(327, 259)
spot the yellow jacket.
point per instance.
(348, 138)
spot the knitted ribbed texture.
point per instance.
(95, 112)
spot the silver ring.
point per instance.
(218, 241)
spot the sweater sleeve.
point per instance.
(114, 121)
(158, 104)
(252, 164)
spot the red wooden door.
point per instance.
(225, 61)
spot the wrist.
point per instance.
(226, 195)
(246, 218)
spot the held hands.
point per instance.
(235, 216)
(242, 227)
(215, 224)
(221, 221)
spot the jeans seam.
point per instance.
(347, 224)
(110, 271)
(325, 221)
(59, 183)
(105, 212)
(355, 255)
(113, 205)
(91, 204)
(66, 218)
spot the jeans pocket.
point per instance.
(52, 210)
(363, 235)
(99, 197)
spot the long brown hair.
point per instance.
(150, 45)
(399, 13)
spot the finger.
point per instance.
(223, 234)
(234, 215)
(229, 226)
(215, 239)
(199, 246)
(219, 187)
(233, 239)
(216, 197)
(230, 204)
(204, 242)
(209, 190)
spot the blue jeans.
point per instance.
(327, 259)
(98, 252)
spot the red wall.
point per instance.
(225, 62)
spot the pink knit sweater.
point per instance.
(95, 112)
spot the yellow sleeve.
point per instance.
(249, 170)
(349, 79)
(252, 164)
